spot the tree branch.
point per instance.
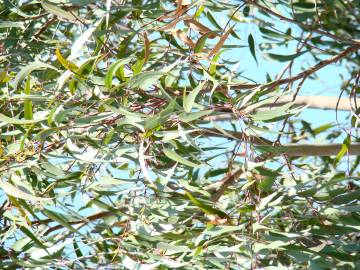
(298, 76)
(292, 150)
(318, 102)
(312, 102)
(305, 150)
(221, 186)
(300, 24)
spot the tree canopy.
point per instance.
(181, 134)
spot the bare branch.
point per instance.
(318, 102)
(298, 150)
(312, 102)
(292, 150)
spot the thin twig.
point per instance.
(300, 75)
(302, 25)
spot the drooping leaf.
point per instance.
(15, 121)
(17, 193)
(25, 71)
(61, 13)
(201, 42)
(145, 79)
(67, 64)
(189, 100)
(272, 113)
(176, 157)
(344, 149)
(206, 208)
(112, 70)
(220, 43)
(251, 43)
(28, 110)
(284, 58)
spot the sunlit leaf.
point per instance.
(176, 157)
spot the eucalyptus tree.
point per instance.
(151, 134)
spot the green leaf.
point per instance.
(12, 190)
(162, 116)
(270, 33)
(59, 218)
(214, 61)
(8, 120)
(29, 234)
(189, 100)
(67, 64)
(145, 79)
(77, 249)
(63, 14)
(10, 24)
(174, 248)
(251, 43)
(212, 20)
(201, 41)
(284, 58)
(137, 67)
(25, 71)
(344, 149)
(28, 111)
(176, 157)
(206, 208)
(265, 115)
(80, 41)
(346, 198)
(112, 70)
(191, 116)
(265, 201)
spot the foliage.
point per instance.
(131, 138)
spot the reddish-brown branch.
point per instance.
(298, 76)
(90, 218)
(292, 150)
(227, 181)
(311, 102)
(302, 25)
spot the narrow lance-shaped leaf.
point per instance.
(214, 61)
(272, 113)
(65, 63)
(251, 43)
(28, 110)
(61, 13)
(112, 70)
(284, 58)
(25, 71)
(62, 220)
(15, 121)
(17, 193)
(344, 149)
(206, 208)
(220, 43)
(145, 79)
(199, 46)
(79, 43)
(197, 26)
(176, 157)
(31, 235)
(10, 24)
(146, 47)
(189, 100)
(183, 37)
(171, 24)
